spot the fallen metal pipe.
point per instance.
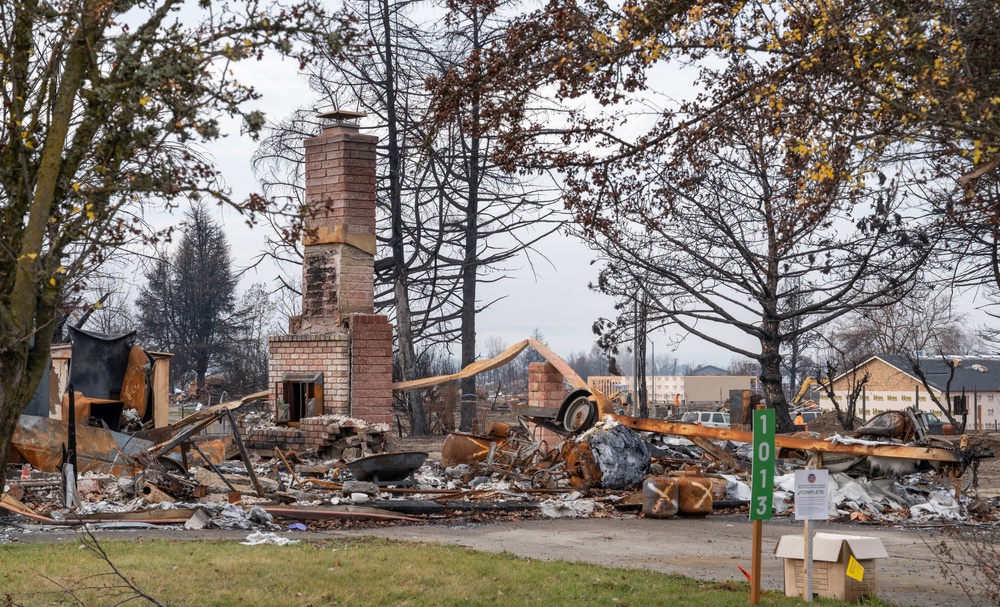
(505, 357)
(238, 440)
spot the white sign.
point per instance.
(812, 496)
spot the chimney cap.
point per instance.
(342, 116)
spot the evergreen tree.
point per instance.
(188, 305)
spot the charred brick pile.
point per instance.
(329, 436)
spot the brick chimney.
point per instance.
(339, 217)
(337, 357)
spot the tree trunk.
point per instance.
(470, 263)
(407, 362)
(642, 397)
(793, 369)
(404, 330)
(12, 402)
(468, 384)
(30, 311)
(770, 380)
(21, 369)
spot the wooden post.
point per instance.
(243, 455)
(815, 463)
(807, 588)
(758, 540)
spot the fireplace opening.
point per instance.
(301, 397)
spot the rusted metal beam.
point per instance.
(176, 441)
(790, 442)
(209, 414)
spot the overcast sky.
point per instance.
(551, 294)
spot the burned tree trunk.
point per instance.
(404, 332)
(418, 420)
(771, 384)
(641, 393)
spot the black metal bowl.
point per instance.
(387, 466)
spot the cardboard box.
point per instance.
(831, 555)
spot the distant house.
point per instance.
(893, 385)
(709, 370)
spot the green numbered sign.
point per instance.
(762, 485)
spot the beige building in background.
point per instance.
(684, 390)
(892, 385)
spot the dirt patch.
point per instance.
(827, 424)
(431, 445)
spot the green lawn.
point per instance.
(355, 572)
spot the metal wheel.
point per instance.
(578, 413)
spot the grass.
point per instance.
(347, 573)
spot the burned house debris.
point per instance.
(113, 380)
(599, 464)
(316, 445)
(330, 376)
(568, 453)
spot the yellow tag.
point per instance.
(855, 570)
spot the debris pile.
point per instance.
(328, 436)
(339, 468)
(608, 455)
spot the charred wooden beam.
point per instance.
(792, 442)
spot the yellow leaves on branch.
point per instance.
(980, 151)
(822, 171)
(52, 281)
(801, 148)
(26, 138)
(89, 208)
